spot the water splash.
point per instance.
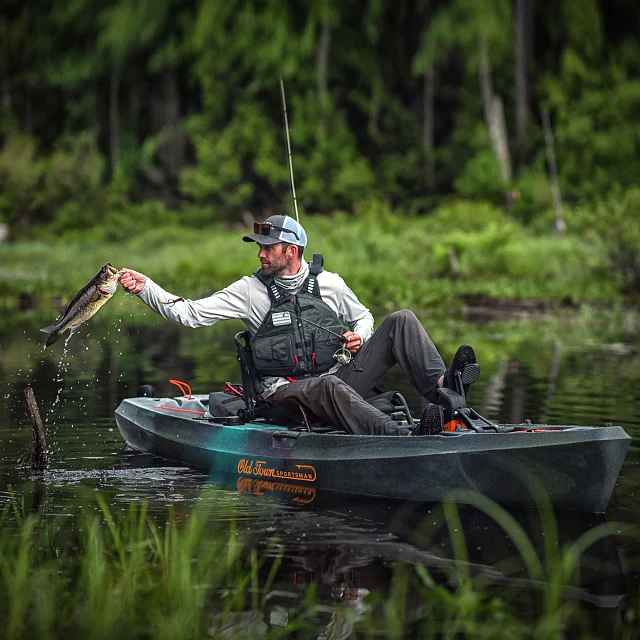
(63, 368)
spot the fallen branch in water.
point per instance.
(39, 461)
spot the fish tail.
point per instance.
(52, 338)
(50, 329)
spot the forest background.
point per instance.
(488, 147)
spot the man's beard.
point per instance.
(276, 267)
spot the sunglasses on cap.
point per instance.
(264, 229)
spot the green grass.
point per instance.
(135, 577)
(129, 578)
(391, 261)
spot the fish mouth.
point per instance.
(111, 269)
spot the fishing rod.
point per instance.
(315, 324)
(286, 131)
(342, 356)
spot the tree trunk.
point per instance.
(428, 92)
(523, 24)
(114, 117)
(173, 153)
(494, 115)
(165, 109)
(559, 225)
(322, 61)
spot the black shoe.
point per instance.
(463, 363)
(431, 421)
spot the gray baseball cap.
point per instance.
(278, 229)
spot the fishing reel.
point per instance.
(342, 356)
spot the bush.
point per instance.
(65, 189)
(230, 162)
(20, 179)
(74, 173)
(467, 215)
(481, 177)
(614, 224)
(532, 196)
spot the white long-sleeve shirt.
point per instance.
(247, 299)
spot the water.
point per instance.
(579, 370)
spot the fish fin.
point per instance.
(50, 329)
(62, 310)
(51, 339)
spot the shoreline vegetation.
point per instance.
(137, 575)
(464, 253)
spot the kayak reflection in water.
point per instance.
(296, 314)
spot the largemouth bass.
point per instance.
(86, 303)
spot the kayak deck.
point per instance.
(571, 467)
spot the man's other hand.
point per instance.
(132, 281)
(354, 341)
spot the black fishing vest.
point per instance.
(285, 345)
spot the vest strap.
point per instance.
(269, 281)
(316, 265)
(311, 286)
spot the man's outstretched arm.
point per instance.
(229, 303)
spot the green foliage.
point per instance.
(151, 106)
(330, 171)
(532, 196)
(481, 177)
(117, 576)
(67, 183)
(464, 216)
(597, 136)
(231, 163)
(614, 224)
(390, 260)
(583, 27)
(20, 177)
(74, 177)
(128, 575)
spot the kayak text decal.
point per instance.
(259, 468)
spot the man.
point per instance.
(295, 313)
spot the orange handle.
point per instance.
(181, 385)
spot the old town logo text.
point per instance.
(259, 468)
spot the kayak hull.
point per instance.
(569, 468)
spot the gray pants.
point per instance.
(338, 399)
